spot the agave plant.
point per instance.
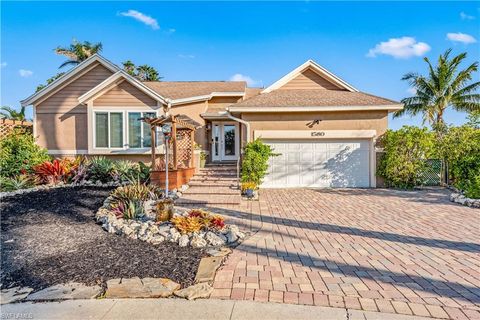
(100, 169)
(125, 170)
(22, 181)
(136, 192)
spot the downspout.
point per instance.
(247, 125)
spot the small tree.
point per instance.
(405, 153)
(255, 161)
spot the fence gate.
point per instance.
(431, 175)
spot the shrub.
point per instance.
(405, 153)
(22, 181)
(19, 154)
(255, 161)
(460, 147)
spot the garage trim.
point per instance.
(326, 134)
(314, 134)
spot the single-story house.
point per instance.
(324, 129)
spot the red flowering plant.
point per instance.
(207, 219)
(50, 172)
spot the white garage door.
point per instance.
(307, 163)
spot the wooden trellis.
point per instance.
(7, 125)
(180, 145)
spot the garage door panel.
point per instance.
(319, 164)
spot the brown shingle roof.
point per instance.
(187, 89)
(310, 98)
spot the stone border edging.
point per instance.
(461, 199)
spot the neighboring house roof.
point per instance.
(177, 90)
(115, 79)
(68, 77)
(313, 98)
(312, 65)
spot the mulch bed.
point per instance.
(56, 240)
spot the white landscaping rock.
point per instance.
(71, 290)
(200, 290)
(197, 241)
(213, 239)
(183, 241)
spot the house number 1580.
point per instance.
(318, 134)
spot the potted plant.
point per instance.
(164, 210)
(203, 159)
(248, 189)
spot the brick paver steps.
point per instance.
(212, 185)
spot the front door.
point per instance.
(225, 141)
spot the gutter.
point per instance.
(247, 125)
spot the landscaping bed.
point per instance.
(50, 237)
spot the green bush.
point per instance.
(460, 147)
(255, 161)
(19, 153)
(405, 152)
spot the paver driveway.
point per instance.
(379, 250)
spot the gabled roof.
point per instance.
(318, 100)
(312, 65)
(68, 76)
(113, 80)
(181, 92)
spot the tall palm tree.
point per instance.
(444, 86)
(147, 73)
(78, 52)
(12, 114)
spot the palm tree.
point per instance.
(12, 114)
(78, 52)
(142, 73)
(445, 86)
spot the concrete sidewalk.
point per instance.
(183, 309)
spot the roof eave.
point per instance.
(68, 75)
(390, 108)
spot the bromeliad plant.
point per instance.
(197, 220)
(51, 172)
(127, 201)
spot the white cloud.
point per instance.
(412, 91)
(137, 15)
(404, 47)
(25, 73)
(186, 56)
(465, 16)
(461, 37)
(241, 77)
(3, 64)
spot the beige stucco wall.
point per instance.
(60, 121)
(359, 120)
(193, 110)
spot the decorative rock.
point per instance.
(160, 287)
(198, 242)
(200, 290)
(461, 199)
(207, 268)
(222, 252)
(71, 290)
(213, 239)
(14, 294)
(174, 235)
(183, 241)
(231, 236)
(157, 240)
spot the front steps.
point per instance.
(216, 184)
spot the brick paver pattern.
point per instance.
(413, 253)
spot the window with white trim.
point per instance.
(109, 130)
(113, 127)
(139, 134)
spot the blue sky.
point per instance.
(369, 44)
